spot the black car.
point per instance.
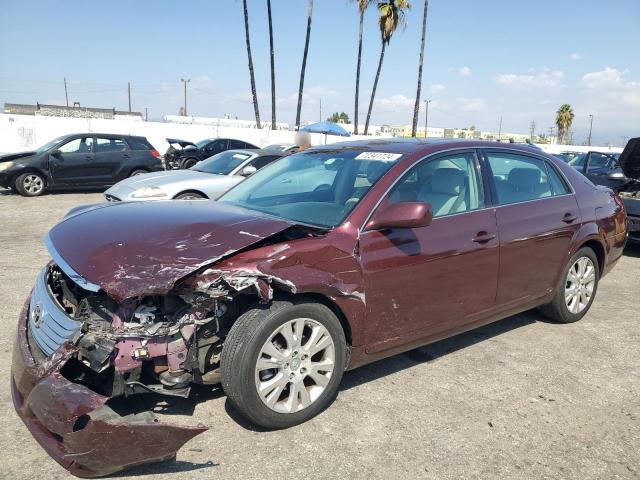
(600, 167)
(83, 159)
(620, 172)
(185, 154)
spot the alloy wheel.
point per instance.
(580, 283)
(33, 184)
(295, 365)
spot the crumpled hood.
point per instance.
(630, 159)
(15, 156)
(144, 248)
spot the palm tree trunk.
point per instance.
(375, 87)
(251, 74)
(355, 113)
(273, 69)
(416, 106)
(304, 64)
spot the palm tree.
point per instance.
(564, 119)
(273, 69)
(392, 14)
(362, 7)
(304, 63)
(416, 107)
(253, 79)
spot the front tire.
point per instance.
(189, 196)
(30, 184)
(575, 295)
(139, 171)
(282, 364)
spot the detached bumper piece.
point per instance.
(76, 426)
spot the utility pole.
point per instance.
(590, 129)
(129, 94)
(624, 141)
(66, 95)
(320, 110)
(500, 129)
(551, 132)
(426, 116)
(185, 94)
(146, 114)
(532, 130)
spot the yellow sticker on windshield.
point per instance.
(380, 156)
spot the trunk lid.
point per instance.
(630, 159)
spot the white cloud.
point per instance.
(575, 56)
(464, 71)
(393, 103)
(320, 91)
(436, 88)
(541, 78)
(612, 85)
(471, 104)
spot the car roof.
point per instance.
(106, 135)
(421, 145)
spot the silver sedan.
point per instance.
(207, 179)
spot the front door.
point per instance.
(424, 282)
(537, 217)
(71, 162)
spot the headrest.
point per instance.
(524, 178)
(447, 180)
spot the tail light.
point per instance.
(155, 153)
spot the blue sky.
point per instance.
(518, 60)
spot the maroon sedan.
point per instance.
(324, 261)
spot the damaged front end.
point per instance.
(79, 349)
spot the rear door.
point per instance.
(71, 163)
(112, 161)
(537, 216)
(603, 169)
(215, 147)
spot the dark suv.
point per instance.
(185, 154)
(83, 159)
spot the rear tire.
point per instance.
(576, 293)
(282, 363)
(189, 162)
(189, 196)
(30, 184)
(138, 171)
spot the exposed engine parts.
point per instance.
(159, 344)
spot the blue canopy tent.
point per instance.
(328, 128)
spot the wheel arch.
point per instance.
(190, 190)
(597, 247)
(314, 297)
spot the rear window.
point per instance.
(139, 144)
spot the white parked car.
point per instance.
(207, 179)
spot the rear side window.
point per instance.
(236, 145)
(518, 178)
(138, 144)
(558, 185)
(110, 145)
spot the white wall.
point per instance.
(25, 132)
(577, 148)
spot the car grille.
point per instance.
(49, 324)
(111, 198)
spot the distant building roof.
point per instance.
(64, 111)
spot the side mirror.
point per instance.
(248, 171)
(56, 153)
(617, 175)
(402, 215)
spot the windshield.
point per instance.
(50, 144)
(317, 188)
(578, 161)
(223, 163)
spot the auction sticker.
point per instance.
(382, 156)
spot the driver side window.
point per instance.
(450, 184)
(79, 145)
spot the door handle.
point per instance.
(88, 157)
(484, 237)
(125, 155)
(569, 218)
